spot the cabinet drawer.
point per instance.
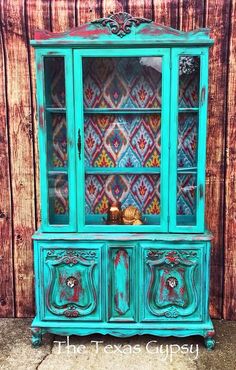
(173, 282)
(71, 281)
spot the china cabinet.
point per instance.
(122, 248)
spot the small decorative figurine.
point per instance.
(132, 216)
(114, 214)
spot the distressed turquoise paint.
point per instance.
(79, 118)
(149, 33)
(133, 315)
(122, 280)
(43, 139)
(201, 139)
(180, 302)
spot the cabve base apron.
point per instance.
(206, 330)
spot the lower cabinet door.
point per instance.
(173, 282)
(71, 281)
(121, 283)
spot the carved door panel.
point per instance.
(72, 283)
(121, 283)
(173, 283)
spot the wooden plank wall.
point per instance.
(19, 196)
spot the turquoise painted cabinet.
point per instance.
(122, 247)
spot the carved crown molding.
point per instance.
(120, 23)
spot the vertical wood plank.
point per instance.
(191, 14)
(89, 10)
(166, 12)
(21, 153)
(218, 19)
(6, 261)
(110, 6)
(37, 16)
(230, 182)
(63, 16)
(141, 8)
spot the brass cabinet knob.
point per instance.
(71, 282)
(172, 282)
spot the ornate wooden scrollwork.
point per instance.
(172, 286)
(71, 289)
(120, 23)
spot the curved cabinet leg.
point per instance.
(209, 342)
(36, 337)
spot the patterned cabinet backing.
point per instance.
(72, 282)
(173, 282)
(121, 283)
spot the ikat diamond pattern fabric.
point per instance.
(187, 140)
(186, 194)
(55, 81)
(58, 156)
(142, 191)
(58, 194)
(121, 83)
(122, 140)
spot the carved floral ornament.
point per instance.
(120, 23)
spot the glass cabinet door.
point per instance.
(56, 127)
(188, 139)
(122, 126)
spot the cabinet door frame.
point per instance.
(79, 118)
(42, 138)
(200, 298)
(41, 249)
(202, 131)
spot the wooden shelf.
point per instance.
(55, 110)
(122, 111)
(126, 170)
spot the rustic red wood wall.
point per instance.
(19, 196)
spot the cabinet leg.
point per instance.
(36, 337)
(209, 342)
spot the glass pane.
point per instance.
(189, 77)
(122, 140)
(57, 140)
(122, 82)
(187, 140)
(54, 81)
(141, 191)
(58, 199)
(186, 199)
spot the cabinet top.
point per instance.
(122, 29)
